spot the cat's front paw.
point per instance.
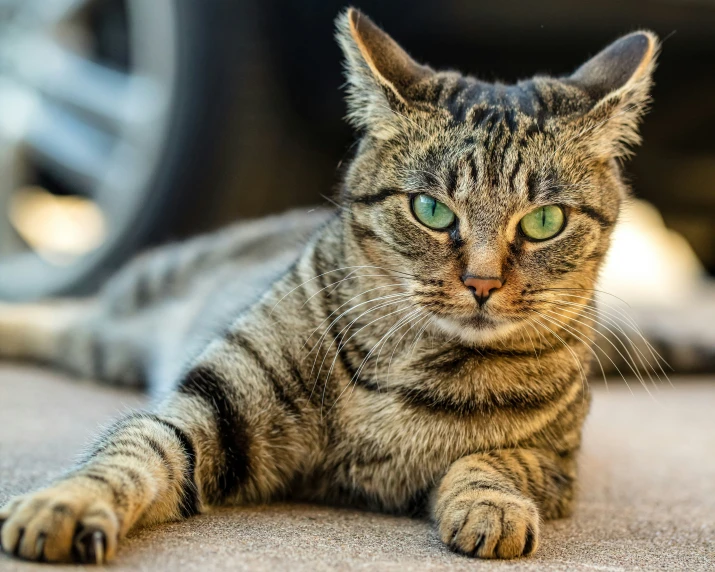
(64, 523)
(489, 524)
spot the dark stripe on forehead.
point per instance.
(515, 171)
(375, 198)
(596, 215)
(473, 169)
(532, 186)
(452, 179)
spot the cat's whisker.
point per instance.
(588, 344)
(398, 326)
(310, 336)
(533, 345)
(659, 359)
(582, 372)
(337, 353)
(353, 381)
(419, 334)
(394, 299)
(337, 283)
(423, 314)
(630, 361)
(395, 271)
(337, 319)
(599, 316)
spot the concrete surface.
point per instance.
(647, 493)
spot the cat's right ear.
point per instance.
(379, 74)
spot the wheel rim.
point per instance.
(96, 131)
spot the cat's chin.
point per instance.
(477, 329)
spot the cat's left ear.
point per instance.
(380, 74)
(618, 80)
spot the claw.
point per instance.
(89, 547)
(96, 551)
(18, 542)
(40, 548)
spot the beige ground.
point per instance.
(647, 501)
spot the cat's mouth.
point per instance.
(479, 327)
(479, 321)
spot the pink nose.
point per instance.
(482, 288)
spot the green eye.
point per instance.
(543, 222)
(430, 212)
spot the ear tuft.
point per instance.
(627, 60)
(618, 80)
(379, 73)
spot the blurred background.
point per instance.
(127, 123)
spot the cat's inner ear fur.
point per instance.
(379, 73)
(618, 79)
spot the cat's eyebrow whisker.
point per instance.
(436, 177)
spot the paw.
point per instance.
(65, 523)
(489, 524)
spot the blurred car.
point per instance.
(128, 122)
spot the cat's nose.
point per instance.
(482, 288)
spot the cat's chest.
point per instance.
(393, 446)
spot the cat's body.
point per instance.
(374, 371)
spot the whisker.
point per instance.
(629, 361)
(659, 359)
(392, 355)
(332, 365)
(598, 316)
(340, 337)
(338, 270)
(341, 315)
(590, 346)
(568, 348)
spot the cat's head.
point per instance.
(487, 198)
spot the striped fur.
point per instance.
(354, 366)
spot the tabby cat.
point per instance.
(408, 356)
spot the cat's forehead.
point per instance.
(467, 99)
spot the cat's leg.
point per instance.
(489, 505)
(215, 440)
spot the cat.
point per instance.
(406, 353)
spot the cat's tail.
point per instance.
(62, 333)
